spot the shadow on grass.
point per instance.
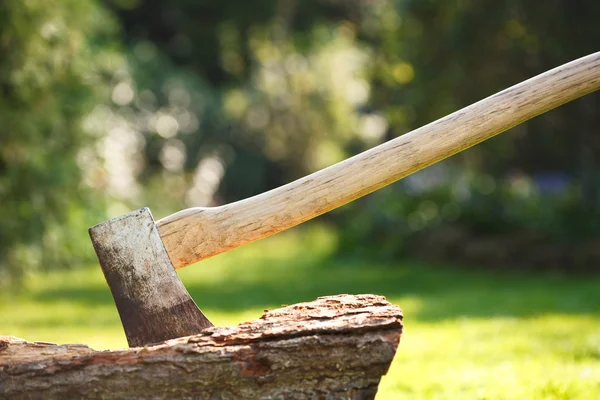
(441, 292)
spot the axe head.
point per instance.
(152, 302)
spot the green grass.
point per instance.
(469, 334)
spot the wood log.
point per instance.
(336, 347)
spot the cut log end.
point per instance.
(333, 347)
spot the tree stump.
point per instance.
(336, 347)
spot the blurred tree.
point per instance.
(216, 101)
(460, 52)
(278, 111)
(57, 60)
(432, 58)
(212, 38)
(424, 58)
(305, 84)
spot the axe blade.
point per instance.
(152, 302)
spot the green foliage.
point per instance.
(291, 117)
(216, 101)
(462, 52)
(55, 63)
(279, 110)
(293, 107)
(452, 213)
(432, 58)
(284, 74)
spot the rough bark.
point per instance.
(335, 347)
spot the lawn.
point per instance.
(469, 333)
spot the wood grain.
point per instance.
(336, 347)
(197, 233)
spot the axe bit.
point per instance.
(139, 257)
(152, 302)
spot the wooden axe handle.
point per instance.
(197, 233)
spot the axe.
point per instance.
(139, 256)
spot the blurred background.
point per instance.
(108, 106)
